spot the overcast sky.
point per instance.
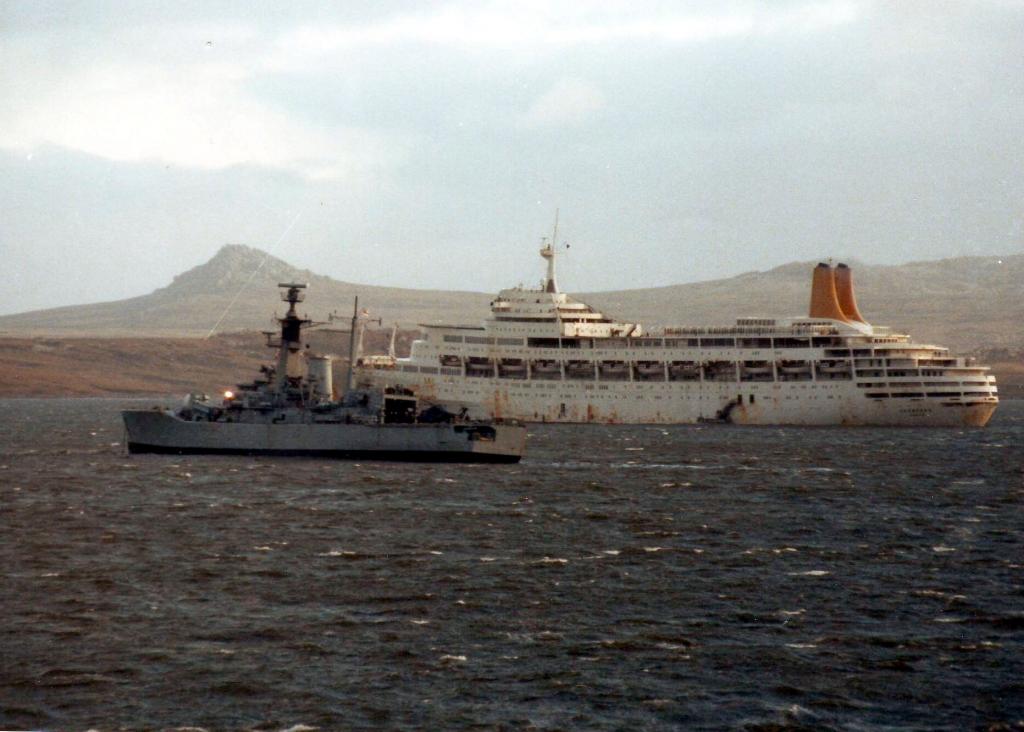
(428, 145)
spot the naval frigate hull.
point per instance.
(163, 432)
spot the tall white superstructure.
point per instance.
(545, 357)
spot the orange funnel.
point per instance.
(824, 301)
(844, 291)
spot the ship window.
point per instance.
(755, 342)
(792, 342)
(480, 339)
(453, 339)
(717, 342)
(542, 342)
(510, 341)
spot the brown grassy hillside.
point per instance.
(965, 303)
(106, 366)
(97, 367)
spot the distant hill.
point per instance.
(193, 303)
(965, 303)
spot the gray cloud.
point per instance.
(679, 147)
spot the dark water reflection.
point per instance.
(619, 578)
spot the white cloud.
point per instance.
(196, 114)
(532, 24)
(183, 94)
(568, 102)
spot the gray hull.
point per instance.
(156, 431)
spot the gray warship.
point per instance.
(290, 410)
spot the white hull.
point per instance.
(545, 357)
(800, 403)
(163, 432)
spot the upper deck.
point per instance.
(544, 327)
(542, 313)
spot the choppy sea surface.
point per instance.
(626, 578)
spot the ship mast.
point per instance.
(352, 346)
(391, 345)
(291, 334)
(548, 252)
(355, 341)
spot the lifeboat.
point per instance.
(794, 370)
(579, 370)
(684, 371)
(512, 368)
(719, 371)
(613, 370)
(755, 371)
(477, 366)
(545, 369)
(834, 369)
(650, 371)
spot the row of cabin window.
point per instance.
(816, 341)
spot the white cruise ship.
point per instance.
(544, 357)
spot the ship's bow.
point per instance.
(148, 430)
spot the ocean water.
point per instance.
(626, 578)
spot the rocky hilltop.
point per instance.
(966, 303)
(238, 288)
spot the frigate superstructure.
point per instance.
(290, 409)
